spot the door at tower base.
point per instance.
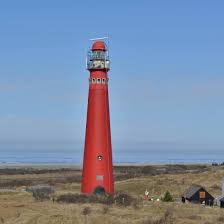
(97, 176)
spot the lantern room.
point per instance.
(98, 57)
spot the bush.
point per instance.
(123, 199)
(15, 183)
(83, 198)
(119, 198)
(167, 197)
(120, 177)
(75, 198)
(105, 210)
(86, 211)
(148, 170)
(108, 199)
(41, 193)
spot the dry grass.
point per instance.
(20, 208)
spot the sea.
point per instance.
(122, 156)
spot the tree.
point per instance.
(167, 197)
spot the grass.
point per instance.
(19, 207)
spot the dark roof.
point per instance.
(192, 190)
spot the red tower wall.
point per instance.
(98, 172)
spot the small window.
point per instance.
(202, 194)
(93, 81)
(103, 81)
(99, 157)
(98, 81)
(99, 177)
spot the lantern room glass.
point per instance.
(98, 60)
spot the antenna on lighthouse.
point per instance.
(99, 38)
(102, 38)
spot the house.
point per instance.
(197, 194)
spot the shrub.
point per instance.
(148, 170)
(105, 210)
(83, 198)
(123, 199)
(74, 198)
(86, 211)
(167, 197)
(107, 199)
(41, 193)
(15, 183)
(119, 198)
(125, 176)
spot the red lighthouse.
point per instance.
(97, 173)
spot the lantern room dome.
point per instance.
(99, 45)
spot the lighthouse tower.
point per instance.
(97, 176)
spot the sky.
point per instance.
(166, 78)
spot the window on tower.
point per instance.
(93, 81)
(98, 81)
(98, 60)
(107, 64)
(99, 157)
(98, 55)
(99, 177)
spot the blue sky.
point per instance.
(166, 81)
